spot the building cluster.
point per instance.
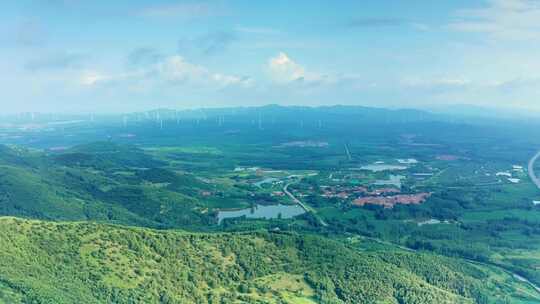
(389, 202)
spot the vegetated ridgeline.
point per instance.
(46, 262)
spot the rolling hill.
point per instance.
(100, 182)
(46, 262)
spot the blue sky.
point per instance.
(100, 56)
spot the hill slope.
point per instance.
(45, 262)
(100, 181)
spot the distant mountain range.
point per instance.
(434, 113)
(277, 112)
(465, 110)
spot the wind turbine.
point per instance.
(177, 117)
(203, 114)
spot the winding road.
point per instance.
(530, 169)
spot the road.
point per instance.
(297, 201)
(304, 206)
(349, 157)
(533, 176)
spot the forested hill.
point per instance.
(46, 262)
(100, 181)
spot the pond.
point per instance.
(382, 167)
(394, 180)
(263, 212)
(267, 180)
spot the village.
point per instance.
(375, 184)
(382, 183)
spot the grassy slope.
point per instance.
(45, 262)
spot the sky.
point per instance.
(120, 56)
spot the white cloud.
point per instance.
(421, 26)
(448, 82)
(463, 84)
(502, 19)
(285, 72)
(174, 70)
(229, 80)
(181, 10)
(92, 78)
(257, 30)
(283, 69)
(177, 70)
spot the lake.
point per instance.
(394, 180)
(382, 167)
(267, 180)
(263, 212)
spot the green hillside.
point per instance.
(100, 182)
(46, 262)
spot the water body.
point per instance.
(394, 180)
(382, 167)
(263, 212)
(408, 161)
(429, 222)
(267, 180)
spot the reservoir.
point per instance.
(263, 212)
(267, 180)
(382, 167)
(394, 180)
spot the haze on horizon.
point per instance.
(100, 56)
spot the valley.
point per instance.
(270, 152)
(410, 189)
